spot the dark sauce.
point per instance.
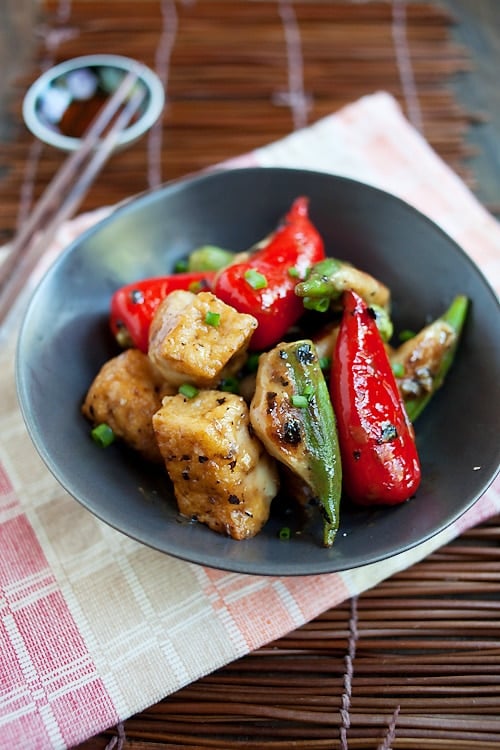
(87, 92)
(80, 113)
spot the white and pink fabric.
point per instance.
(95, 627)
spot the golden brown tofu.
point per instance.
(187, 348)
(221, 474)
(125, 394)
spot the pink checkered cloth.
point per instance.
(95, 627)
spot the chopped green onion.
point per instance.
(230, 385)
(294, 272)
(181, 265)
(318, 304)
(212, 318)
(252, 362)
(406, 335)
(325, 363)
(398, 369)
(188, 390)
(300, 400)
(103, 435)
(255, 279)
(284, 533)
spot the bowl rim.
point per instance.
(67, 143)
(286, 569)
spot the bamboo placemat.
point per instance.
(238, 75)
(415, 662)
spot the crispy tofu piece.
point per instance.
(221, 474)
(187, 349)
(125, 394)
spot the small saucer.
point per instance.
(61, 103)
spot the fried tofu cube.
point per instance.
(125, 394)
(198, 339)
(222, 475)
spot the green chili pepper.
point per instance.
(209, 258)
(424, 374)
(320, 282)
(320, 432)
(292, 414)
(328, 279)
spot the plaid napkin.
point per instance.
(95, 627)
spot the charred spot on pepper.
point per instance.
(305, 354)
(389, 433)
(356, 455)
(136, 297)
(292, 433)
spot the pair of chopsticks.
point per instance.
(67, 189)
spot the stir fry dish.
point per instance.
(271, 372)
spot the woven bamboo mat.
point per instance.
(412, 664)
(415, 662)
(239, 74)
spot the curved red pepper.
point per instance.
(380, 464)
(280, 264)
(134, 305)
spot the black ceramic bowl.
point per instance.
(65, 338)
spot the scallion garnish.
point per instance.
(230, 385)
(252, 362)
(406, 335)
(103, 435)
(284, 533)
(212, 318)
(318, 304)
(325, 363)
(255, 279)
(188, 390)
(398, 369)
(181, 265)
(300, 401)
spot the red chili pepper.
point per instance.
(380, 464)
(134, 305)
(264, 286)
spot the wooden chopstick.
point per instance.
(67, 189)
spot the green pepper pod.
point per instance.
(209, 258)
(422, 363)
(292, 414)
